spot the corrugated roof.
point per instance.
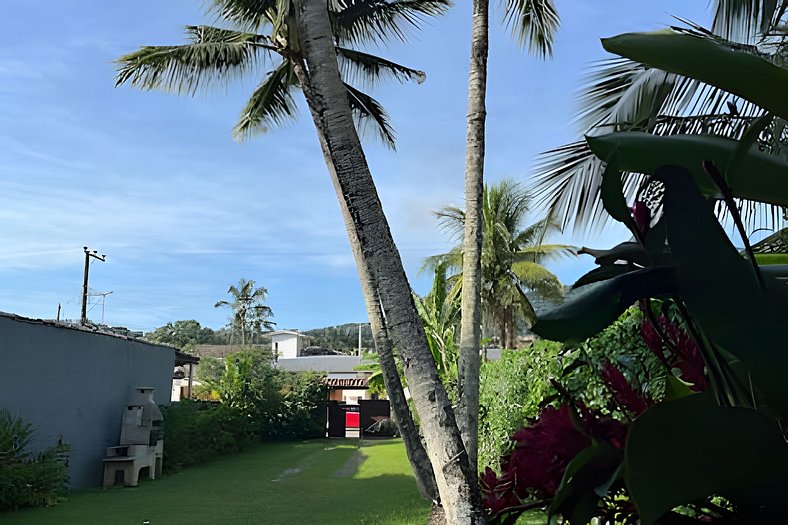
(359, 382)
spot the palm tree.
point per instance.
(309, 40)
(534, 22)
(512, 255)
(250, 315)
(623, 95)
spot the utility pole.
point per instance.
(88, 254)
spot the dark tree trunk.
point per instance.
(353, 182)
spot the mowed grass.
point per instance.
(312, 482)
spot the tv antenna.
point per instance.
(103, 295)
(88, 254)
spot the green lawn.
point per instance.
(321, 482)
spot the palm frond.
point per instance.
(622, 95)
(247, 14)
(536, 277)
(451, 260)
(270, 104)
(743, 20)
(541, 253)
(358, 66)
(451, 219)
(533, 22)
(214, 55)
(357, 21)
(368, 111)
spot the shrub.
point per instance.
(257, 402)
(196, 431)
(25, 480)
(511, 391)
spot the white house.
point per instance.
(287, 343)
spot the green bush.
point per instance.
(257, 402)
(195, 431)
(515, 388)
(511, 391)
(25, 480)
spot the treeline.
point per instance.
(187, 334)
(343, 338)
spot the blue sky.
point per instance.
(155, 180)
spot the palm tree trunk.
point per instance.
(344, 156)
(417, 455)
(470, 330)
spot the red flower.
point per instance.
(623, 393)
(642, 216)
(683, 353)
(542, 452)
(498, 493)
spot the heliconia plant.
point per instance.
(714, 448)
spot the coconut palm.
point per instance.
(622, 95)
(250, 315)
(533, 23)
(309, 40)
(512, 255)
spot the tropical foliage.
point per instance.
(512, 256)
(250, 316)
(27, 480)
(440, 313)
(257, 401)
(725, 395)
(260, 39)
(636, 93)
(186, 335)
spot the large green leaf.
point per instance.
(586, 314)
(734, 70)
(681, 451)
(721, 288)
(758, 176)
(586, 478)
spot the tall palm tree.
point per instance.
(250, 315)
(623, 95)
(534, 22)
(309, 39)
(512, 255)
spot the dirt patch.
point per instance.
(351, 465)
(289, 472)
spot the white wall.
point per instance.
(286, 345)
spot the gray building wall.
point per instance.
(74, 383)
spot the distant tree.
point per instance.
(512, 255)
(250, 315)
(184, 335)
(342, 338)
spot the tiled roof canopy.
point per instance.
(347, 383)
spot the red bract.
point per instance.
(622, 391)
(642, 216)
(684, 353)
(498, 493)
(542, 452)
